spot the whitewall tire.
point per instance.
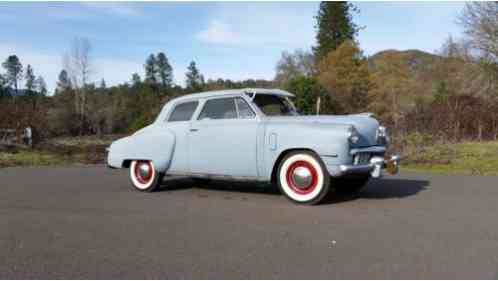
(303, 178)
(144, 176)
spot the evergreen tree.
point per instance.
(195, 80)
(64, 82)
(30, 79)
(103, 85)
(151, 69)
(41, 86)
(334, 26)
(135, 79)
(164, 70)
(14, 71)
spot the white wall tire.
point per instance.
(143, 175)
(303, 178)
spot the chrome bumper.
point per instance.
(375, 167)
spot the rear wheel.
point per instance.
(303, 178)
(143, 175)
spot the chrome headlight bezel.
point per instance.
(382, 136)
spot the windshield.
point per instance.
(273, 105)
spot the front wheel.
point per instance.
(143, 175)
(303, 178)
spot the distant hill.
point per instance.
(416, 60)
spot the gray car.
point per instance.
(256, 135)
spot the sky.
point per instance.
(231, 40)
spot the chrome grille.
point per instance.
(361, 158)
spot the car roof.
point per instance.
(221, 93)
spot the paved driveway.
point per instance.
(87, 222)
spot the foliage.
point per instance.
(344, 73)
(307, 91)
(292, 65)
(14, 71)
(195, 80)
(334, 26)
(164, 71)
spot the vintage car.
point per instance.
(255, 135)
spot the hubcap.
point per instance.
(301, 177)
(143, 171)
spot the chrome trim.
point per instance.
(375, 167)
(370, 149)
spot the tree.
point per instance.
(3, 86)
(291, 65)
(334, 26)
(30, 79)
(164, 71)
(344, 73)
(41, 86)
(307, 91)
(78, 65)
(151, 69)
(391, 83)
(135, 79)
(480, 22)
(14, 71)
(102, 85)
(64, 82)
(195, 80)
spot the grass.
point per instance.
(470, 158)
(31, 158)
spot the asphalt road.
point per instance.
(87, 222)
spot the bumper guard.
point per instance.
(375, 167)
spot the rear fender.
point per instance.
(157, 145)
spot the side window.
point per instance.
(244, 110)
(219, 109)
(183, 111)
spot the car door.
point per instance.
(222, 139)
(178, 122)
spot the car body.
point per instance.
(245, 134)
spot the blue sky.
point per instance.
(230, 40)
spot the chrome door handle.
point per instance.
(194, 130)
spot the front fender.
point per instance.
(156, 145)
(326, 140)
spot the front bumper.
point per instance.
(375, 167)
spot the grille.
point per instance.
(361, 158)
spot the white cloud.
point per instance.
(285, 26)
(218, 33)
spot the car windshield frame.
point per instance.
(284, 102)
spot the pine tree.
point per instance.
(41, 86)
(64, 82)
(195, 80)
(135, 79)
(30, 79)
(334, 26)
(164, 71)
(151, 69)
(14, 71)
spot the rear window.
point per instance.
(183, 112)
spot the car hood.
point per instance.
(365, 124)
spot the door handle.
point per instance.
(194, 130)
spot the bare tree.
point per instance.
(77, 63)
(480, 20)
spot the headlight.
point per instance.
(382, 135)
(353, 136)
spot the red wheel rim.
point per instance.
(303, 189)
(139, 176)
